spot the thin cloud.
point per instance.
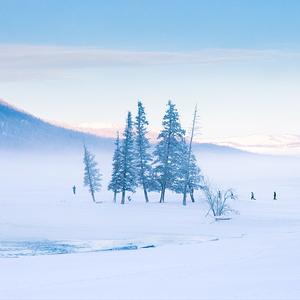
(18, 62)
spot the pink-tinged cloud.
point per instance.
(24, 62)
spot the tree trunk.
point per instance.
(123, 197)
(146, 194)
(115, 196)
(93, 196)
(162, 195)
(184, 196)
(192, 195)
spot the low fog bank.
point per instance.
(261, 174)
(49, 176)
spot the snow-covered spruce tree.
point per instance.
(195, 178)
(144, 158)
(128, 160)
(92, 176)
(189, 176)
(168, 151)
(115, 182)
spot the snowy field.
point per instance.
(58, 246)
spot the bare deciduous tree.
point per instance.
(218, 200)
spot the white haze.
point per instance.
(252, 256)
(48, 177)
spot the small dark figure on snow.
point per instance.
(129, 198)
(252, 196)
(275, 196)
(74, 189)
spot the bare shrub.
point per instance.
(218, 200)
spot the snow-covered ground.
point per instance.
(57, 246)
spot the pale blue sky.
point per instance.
(152, 24)
(90, 61)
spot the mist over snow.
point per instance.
(47, 152)
(149, 150)
(58, 245)
(43, 161)
(141, 243)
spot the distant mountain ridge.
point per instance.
(280, 144)
(20, 130)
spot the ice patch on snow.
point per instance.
(14, 249)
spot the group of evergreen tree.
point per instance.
(171, 166)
